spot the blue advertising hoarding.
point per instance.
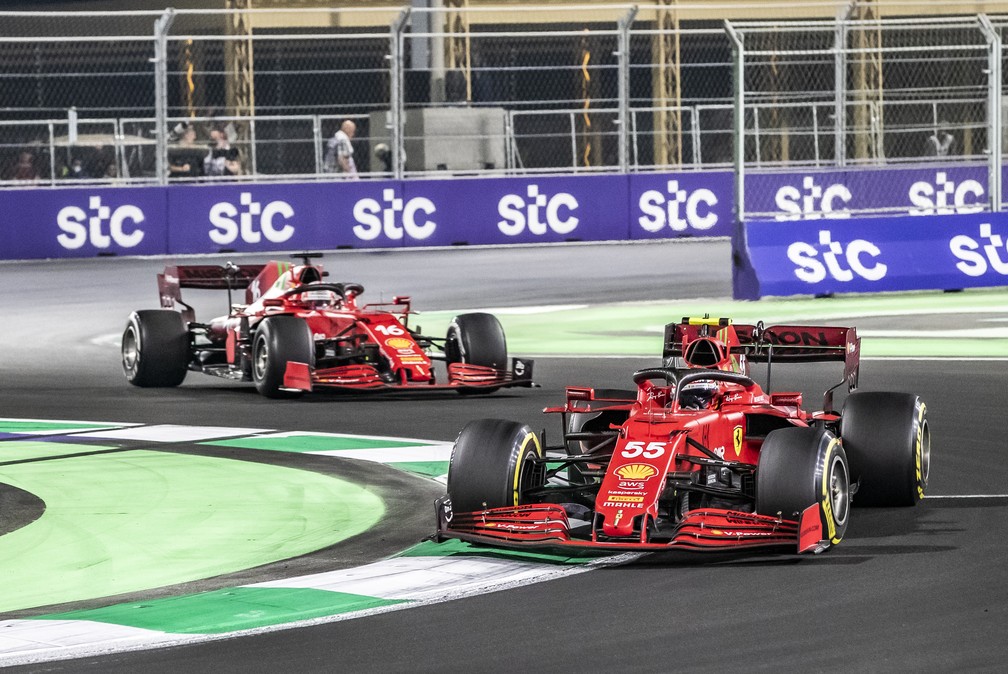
(932, 189)
(819, 257)
(82, 222)
(265, 217)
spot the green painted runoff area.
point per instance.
(134, 520)
(636, 328)
(239, 608)
(36, 426)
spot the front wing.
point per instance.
(547, 525)
(302, 377)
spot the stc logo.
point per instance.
(394, 217)
(80, 226)
(839, 261)
(659, 210)
(944, 196)
(519, 213)
(813, 201)
(975, 263)
(252, 221)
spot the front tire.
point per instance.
(476, 339)
(888, 442)
(155, 348)
(493, 465)
(279, 339)
(799, 467)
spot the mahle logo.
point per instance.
(100, 225)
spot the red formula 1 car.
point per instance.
(296, 332)
(698, 457)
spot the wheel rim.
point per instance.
(130, 350)
(925, 453)
(839, 490)
(261, 360)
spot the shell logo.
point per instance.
(399, 343)
(636, 471)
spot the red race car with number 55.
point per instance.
(698, 457)
(296, 332)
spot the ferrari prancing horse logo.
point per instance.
(737, 436)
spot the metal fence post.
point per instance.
(738, 133)
(840, 86)
(623, 86)
(396, 94)
(161, 27)
(994, 130)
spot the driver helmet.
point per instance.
(697, 395)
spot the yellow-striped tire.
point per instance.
(888, 443)
(493, 465)
(799, 467)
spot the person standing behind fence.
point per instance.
(339, 151)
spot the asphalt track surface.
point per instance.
(909, 589)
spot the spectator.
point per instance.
(339, 151)
(222, 160)
(76, 169)
(185, 158)
(941, 143)
(25, 168)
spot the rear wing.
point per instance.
(770, 344)
(203, 276)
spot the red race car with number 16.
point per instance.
(296, 332)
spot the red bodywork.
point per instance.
(661, 475)
(358, 346)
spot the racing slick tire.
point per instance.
(888, 443)
(477, 339)
(492, 464)
(279, 339)
(155, 348)
(802, 466)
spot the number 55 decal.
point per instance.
(634, 449)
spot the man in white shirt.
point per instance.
(339, 150)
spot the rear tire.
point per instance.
(279, 339)
(492, 464)
(799, 467)
(477, 339)
(888, 442)
(155, 348)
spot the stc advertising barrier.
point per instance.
(253, 217)
(819, 257)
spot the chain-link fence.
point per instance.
(199, 95)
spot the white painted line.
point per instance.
(966, 496)
(393, 454)
(38, 640)
(172, 433)
(959, 333)
(352, 436)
